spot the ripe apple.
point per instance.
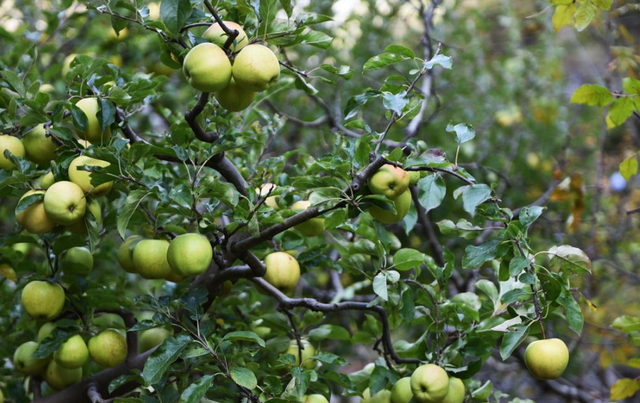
(401, 391)
(45, 331)
(45, 181)
(80, 227)
(34, 218)
(216, 34)
(82, 178)
(283, 271)
(207, 68)
(311, 227)
(73, 353)
(429, 383)
(150, 258)
(235, 98)
(456, 391)
(189, 254)
(108, 348)
(314, 399)
(256, 68)
(24, 363)
(414, 177)
(38, 147)
(267, 189)
(308, 351)
(94, 133)
(64, 203)
(77, 260)
(59, 378)
(125, 254)
(390, 181)
(547, 359)
(401, 204)
(383, 396)
(43, 300)
(15, 147)
(150, 338)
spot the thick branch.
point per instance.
(192, 115)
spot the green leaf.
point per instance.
(245, 336)
(488, 288)
(475, 256)
(585, 14)
(624, 388)
(473, 196)
(400, 50)
(343, 71)
(464, 132)
(483, 392)
(26, 202)
(380, 286)
(330, 332)
(563, 15)
(620, 110)
(174, 13)
(406, 259)
(131, 205)
(395, 102)
(387, 58)
(603, 4)
(442, 60)
(572, 311)
(14, 81)
(107, 113)
(512, 340)
(629, 166)
(160, 360)
(631, 86)
(568, 258)
(316, 38)
(529, 215)
(463, 228)
(517, 265)
(432, 191)
(244, 377)
(592, 94)
(80, 120)
(196, 391)
(626, 324)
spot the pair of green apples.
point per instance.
(394, 183)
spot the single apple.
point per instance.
(80, 227)
(24, 363)
(189, 254)
(45, 331)
(390, 181)
(256, 68)
(383, 396)
(401, 391)
(64, 203)
(174, 277)
(401, 204)
(93, 132)
(150, 258)
(59, 378)
(109, 321)
(414, 177)
(72, 354)
(34, 218)
(267, 189)
(38, 147)
(45, 181)
(547, 359)
(77, 260)
(66, 63)
(283, 271)
(312, 227)
(43, 300)
(207, 68)
(315, 398)
(108, 348)
(151, 338)
(125, 254)
(307, 352)
(15, 147)
(216, 34)
(429, 383)
(82, 178)
(235, 98)
(261, 330)
(456, 391)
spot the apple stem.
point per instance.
(231, 33)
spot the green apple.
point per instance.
(456, 391)
(390, 181)
(547, 359)
(45, 181)
(1, 396)
(151, 338)
(216, 34)
(207, 68)
(59, 378)
(38, 147)
(64, 203)
(80, 227)
(261, 330)
(189, 254)
(45, 331)
(267, 189)
(283, 271)
(150, 258)
(125, 254)
(308, 351)
(174, 277)
(24, 363)
(314, 399)
(72, 354)
(401, 391)
(414, 177)
(235, 98)
(109, 321)
(15, 147)
(82, 178)
(429, 383)
(383, 396)
(108, 348)
(394, 242)
(93, 132)
(256, 68)
(401, 204)
(66, 63)
(77, 260)
(43, 300)
(311, 227)
(34, 218)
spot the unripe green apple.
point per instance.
(59, 378)
(38, 147)
(207, 68)
(314, 399)
(109, 321)
(150, 338)
(94, 133)
(383, 396)
(72, 354)
(216, 34)
(429, 383)
(401, 391)
(8, 272)
(66, 63)
(150, 258)
(283, 271)
(108, 349)
(258, 328)
(24, 363)
(15, 147)
(189, 254)
(267, 189)
(256, 68)
(308, 351)
(312, 227)
(43, 300)
(414, 177)
(45, 331)
(456, 391)
(64, 203)
(78, 260)
(45, 181)
(235, 98)
(174, 277)
(82, 178)
(390, 181)
(80, 227)
(125, 254)
(401, 204)
(34, 218)
(547, 359)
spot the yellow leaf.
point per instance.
(634, 362)
(562, 16)
(624, 388)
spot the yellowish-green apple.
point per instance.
(456, 391)
(283, 271)
(109, 321)
(267, 189)
(429, 383)
(150, 258)
(150, 338)
(174, 277)
(46, 87)
(308, 351)
(189, 254)
(216, 34)
(547, 359)
(9, 272)
(312, 227)
(80, 227)
(34, 218)
(59, 378)
(93, 132)
(38, 147)
(73, 353)
(401, 391)
(401, 204)
(45, 331)
(207, 68)
(15, 147)
(390, 181)
(235, 98)
(108, 348)
(261, 330)
(125, 254)
(65, 203)
(77, 260)
(315, 398)
(414, 177)
(43, 300)
(66, 63)
(82, 178)
(24, 363)
(383, 396)
(256, 68)
(45, 181)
